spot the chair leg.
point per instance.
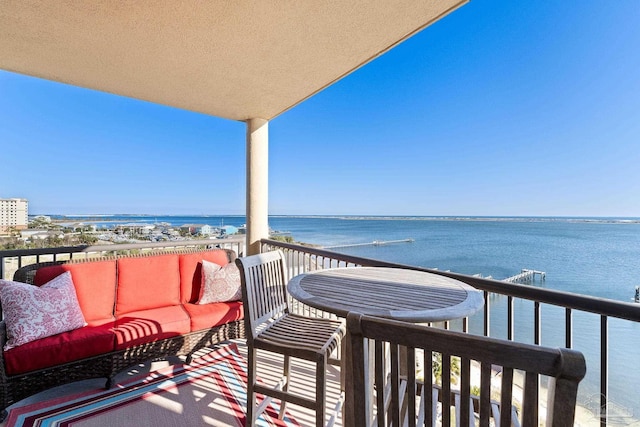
(286, 374)
(251, 380)
(321, 399)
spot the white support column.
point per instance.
(257, 183)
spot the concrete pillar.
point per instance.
(257, 183)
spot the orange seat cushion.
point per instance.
(95, 285)
(205, 316)
(147, 282)
(191, 272)
(145, 326)
(88, 341)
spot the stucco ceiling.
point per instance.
(234, 59)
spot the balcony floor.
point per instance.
(269, 366)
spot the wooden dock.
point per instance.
(526, 276)
(374, 243)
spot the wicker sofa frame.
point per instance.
(17, 387)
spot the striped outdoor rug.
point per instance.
(209, 392)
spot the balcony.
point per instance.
(515, 312)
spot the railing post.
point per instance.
(487, 314)
(568, 329)
(537, 330)
(604, 371)
(510, 321)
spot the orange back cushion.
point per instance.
(147, 282)
(191, 272)
(95, 284)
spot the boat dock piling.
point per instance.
(525, 276)
(374, 243)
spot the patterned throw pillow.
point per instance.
(219, 284)
(32, 312)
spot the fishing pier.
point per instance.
(526, 276)
(374, 243)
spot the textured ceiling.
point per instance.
(233, 59)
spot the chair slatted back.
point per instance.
(409, 401)
(264, 293)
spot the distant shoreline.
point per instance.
(115, 218)
(607, 220)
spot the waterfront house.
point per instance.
(228, 230)
(134, 228)
(202, 229)
(206, 230)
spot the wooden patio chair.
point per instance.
(270, 326)
(408, 401)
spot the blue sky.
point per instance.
(501, 108)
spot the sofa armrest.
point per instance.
(3, 341)
(27, 273)
(3, 333)
(231, 255)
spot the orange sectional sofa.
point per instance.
(136, 308)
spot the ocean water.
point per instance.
(597, 257)
(593, 256)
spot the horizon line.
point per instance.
(368, 216)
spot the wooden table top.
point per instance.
(393, 293)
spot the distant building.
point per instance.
(206, 230)
(14, 213)
(229, 230)
(203, 229)
(42, 218)
(136, 227)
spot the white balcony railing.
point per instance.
(11, 260)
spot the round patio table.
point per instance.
(393, 293)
